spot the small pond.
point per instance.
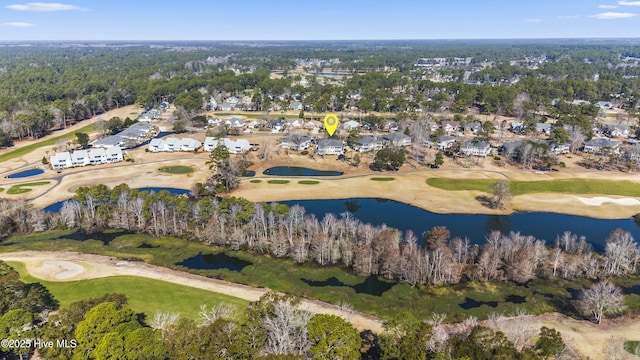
(55, 207)
(470, 303)
(26, 173)
(214, 262)
(371, 285)
(248, 173)
(299, 171)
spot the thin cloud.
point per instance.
(569, 17)
(608, 6)
(629, 3)
(533, 20)
(45, 7)
(613, 15)
(18, 24)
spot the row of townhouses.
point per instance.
(66, 159)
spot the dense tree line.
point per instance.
(430, 258)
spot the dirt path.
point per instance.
(50, 265)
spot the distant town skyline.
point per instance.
(327, 20)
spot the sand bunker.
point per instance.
(597, 201)
(61, 270)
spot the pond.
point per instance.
(470, 303)
(299, 171)
(248, 173)
(105, 237)
(26, 173)
(214, 262)
(55, 207)
(371, 285)
(405, 217)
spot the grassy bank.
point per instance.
(564, 186)
(25, 188)
(457, 301)
(49, 142)
(177, 169)
(144, 295)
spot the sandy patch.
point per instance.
(597, 201)
(62, 270)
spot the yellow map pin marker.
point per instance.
(331, 123)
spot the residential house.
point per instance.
(238, 146)
(165, 105)
(214, 122)
(329, 147)
(580, 102)
(114, 154)
(97, 156)
(156, 145)
(351, 125)
(558, 149)
(450, 127)
(390, 126)
(600, 145)
(297, 105)
(516, 127)
(232, 100)
(510, 149)
(213, 102)
(225, 106)
(240, 107)
(617, 130)
(445, 142)
(60, 160)
(109, 141)
(367, 143)
(312, 124)
(188, 144)
(604, 105)
(277, 125)
(297, 142)
(544, 128)
(475, 148)
(235, 122)
(473, 127)
(80, 158)
(396, 139)
(296, 123)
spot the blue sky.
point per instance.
(317, 20)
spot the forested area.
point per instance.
(49, 86)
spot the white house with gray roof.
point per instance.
(396, 139)
(475, 148)
(237, 146)
(297, 142)
(329, 147)
(599, 145)
(367, 143)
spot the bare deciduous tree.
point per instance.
(600, 299)
(287, 330)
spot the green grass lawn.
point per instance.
(24, 188)
(382, 179)
(308, 182)
(177, 169)
(632, 347)
(564, 186)
(144, 295)
(53, 141)
(280, 182)
(255, 181)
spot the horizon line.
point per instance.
(322, 40)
